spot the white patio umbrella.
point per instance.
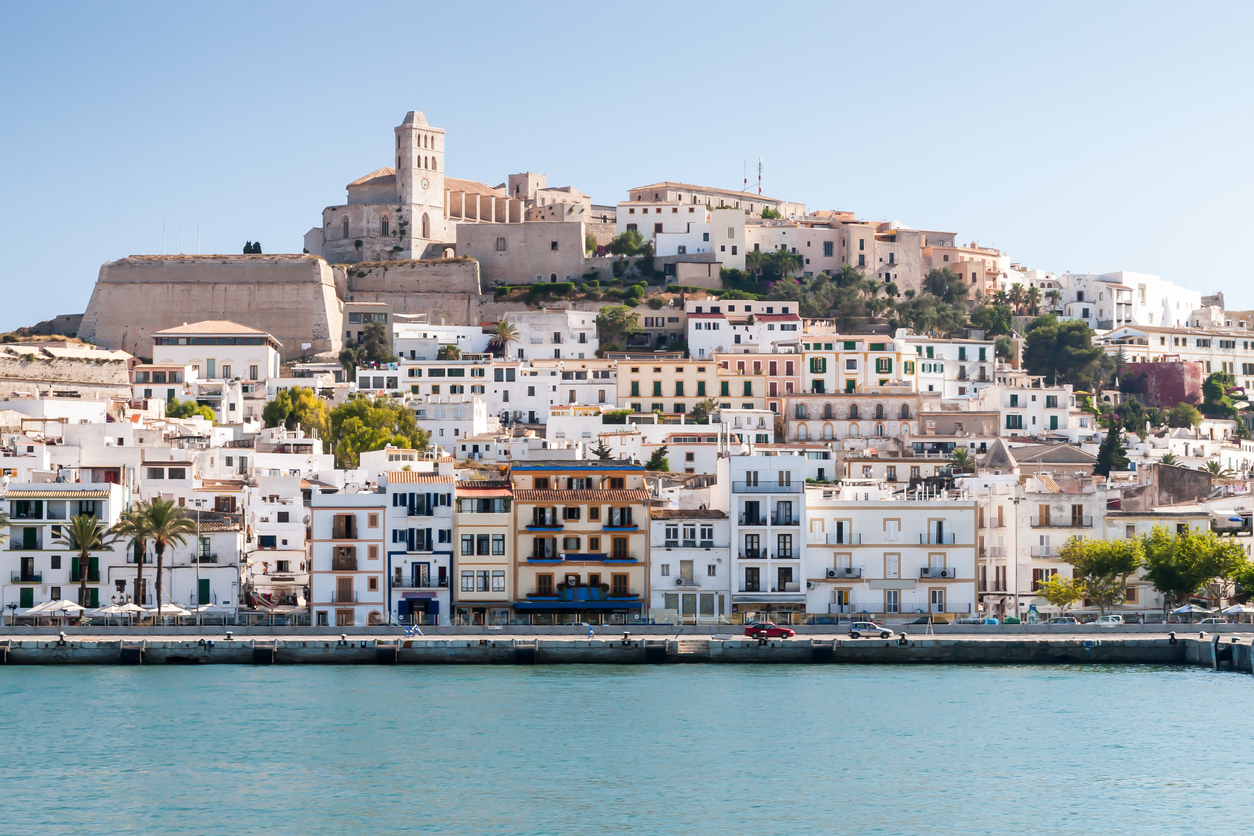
(1190, 609)
(50, 607)
(168, 609)
(1237, 609)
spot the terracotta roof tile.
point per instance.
(416, 477)
(638, 495)
(687, 514)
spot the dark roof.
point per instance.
(687, 514)
(217, 521)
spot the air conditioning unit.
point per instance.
(809, 584)
(679, 581)
(831, 573)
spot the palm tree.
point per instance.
(448, 352)
(702, 410)
(962, 460)
(1054, 298)
(1217, 470)
(503, 336)
(1168, 460)
(1016, 296)
(167, 525)
(784, 262)
(755, 260)
(85, 533)
(1033, 299)
(133, 526)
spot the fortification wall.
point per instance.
(293, 297)
(418, 276)
(30, 370)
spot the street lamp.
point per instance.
(1016, 500)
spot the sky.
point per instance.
(1082, 137)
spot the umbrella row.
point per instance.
(65, 606)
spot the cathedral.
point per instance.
(409, 211)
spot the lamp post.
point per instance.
(1016, 500)
(197, 556)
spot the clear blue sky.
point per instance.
(1073, 136)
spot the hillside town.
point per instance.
(488, 405)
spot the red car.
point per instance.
(768, 630)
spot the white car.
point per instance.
(1109, 620)
(870, 628)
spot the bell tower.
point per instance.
(420, 181)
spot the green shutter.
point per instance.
(679, 388)
(850, 345)
(962, 352)
(748, 388)
(635, 388)
(700, 388)
(723, 389)
(74, 576)
(26, 597)
(657, 388)
(203, 594)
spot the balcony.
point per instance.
(784, 519)
(936, 572)
(204, 558)
(846, 538)
(905, 608)
(752, 521)
(620, 525)
(936, 539)
(27, 577)
(767, 487)
(582, 594)
(344, 564)
(793, 587)
(337, 598)
(1043, 551)
(1073, 522)
(545, 526)
(995, 551)
(844, 572)
(685, 583)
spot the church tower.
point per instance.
(420, 182)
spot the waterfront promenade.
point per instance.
(1230, 649)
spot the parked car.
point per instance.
(857, 628)
(1109, 620)
(1063, 619)
(768, 630)
(1214, 620)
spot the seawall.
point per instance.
(1230, 652)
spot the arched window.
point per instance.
(905, 429)
(827, 410)
(426, 225)
(827, 432)
(375, 618)
(552, 278)
(434, 167)
(853, 410)
(344, 227)
(853, 430)
(801, 410)
(879, 411)
(905, 410)
(879, 430)
(383, 225)
(802, 433)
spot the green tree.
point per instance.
(1184, 564)
(658, 461)
(1111, 455)
(702, 410)
(1131, 416)
(504, 334)
(167, 526)
(1217, 470)
(1004, 348)
(1215, 400)
(962, 460)
(297, 406)
(375, 347)
(133, 526)
(630, 242)
(189, 409)
(769, 214)
(1032, 299)
(1063, 351)
(615, 322)
(84, 534)
(996, 320)
(1183, 416)
(1169, 460)
(367, 423)
(1103, 567)
(589, 243)
(946, 285)
(602, 451)
(448, 352)
(1062, 592)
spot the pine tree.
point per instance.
(601, 451)
(1110, 456)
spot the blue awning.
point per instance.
(566, 606)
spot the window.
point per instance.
(468, 544)
(468, 581)
(498, 544)
(498, 581)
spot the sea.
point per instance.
(584, 749)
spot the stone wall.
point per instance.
(446, 290)
(292, 297)
(524, 253)
(31, 370)
(1164, 384)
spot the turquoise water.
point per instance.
(699, 749)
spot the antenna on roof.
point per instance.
(163, 233)
(759, 176)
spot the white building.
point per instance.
(765, 503)
(1113, 300)
(218, 350)
(420, 522)
(871, 552)
(1029, 407)
(554, 333)
(690, 566)
(348, 578)
(740, 326)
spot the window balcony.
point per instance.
(936, 572)
(841, 572)
(1043, 551)
(767, 487)
(936, 539)
(545, 526)
(28, 577)
(784, 519)
(1063, 522)
(752, 521)
(847, 538)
